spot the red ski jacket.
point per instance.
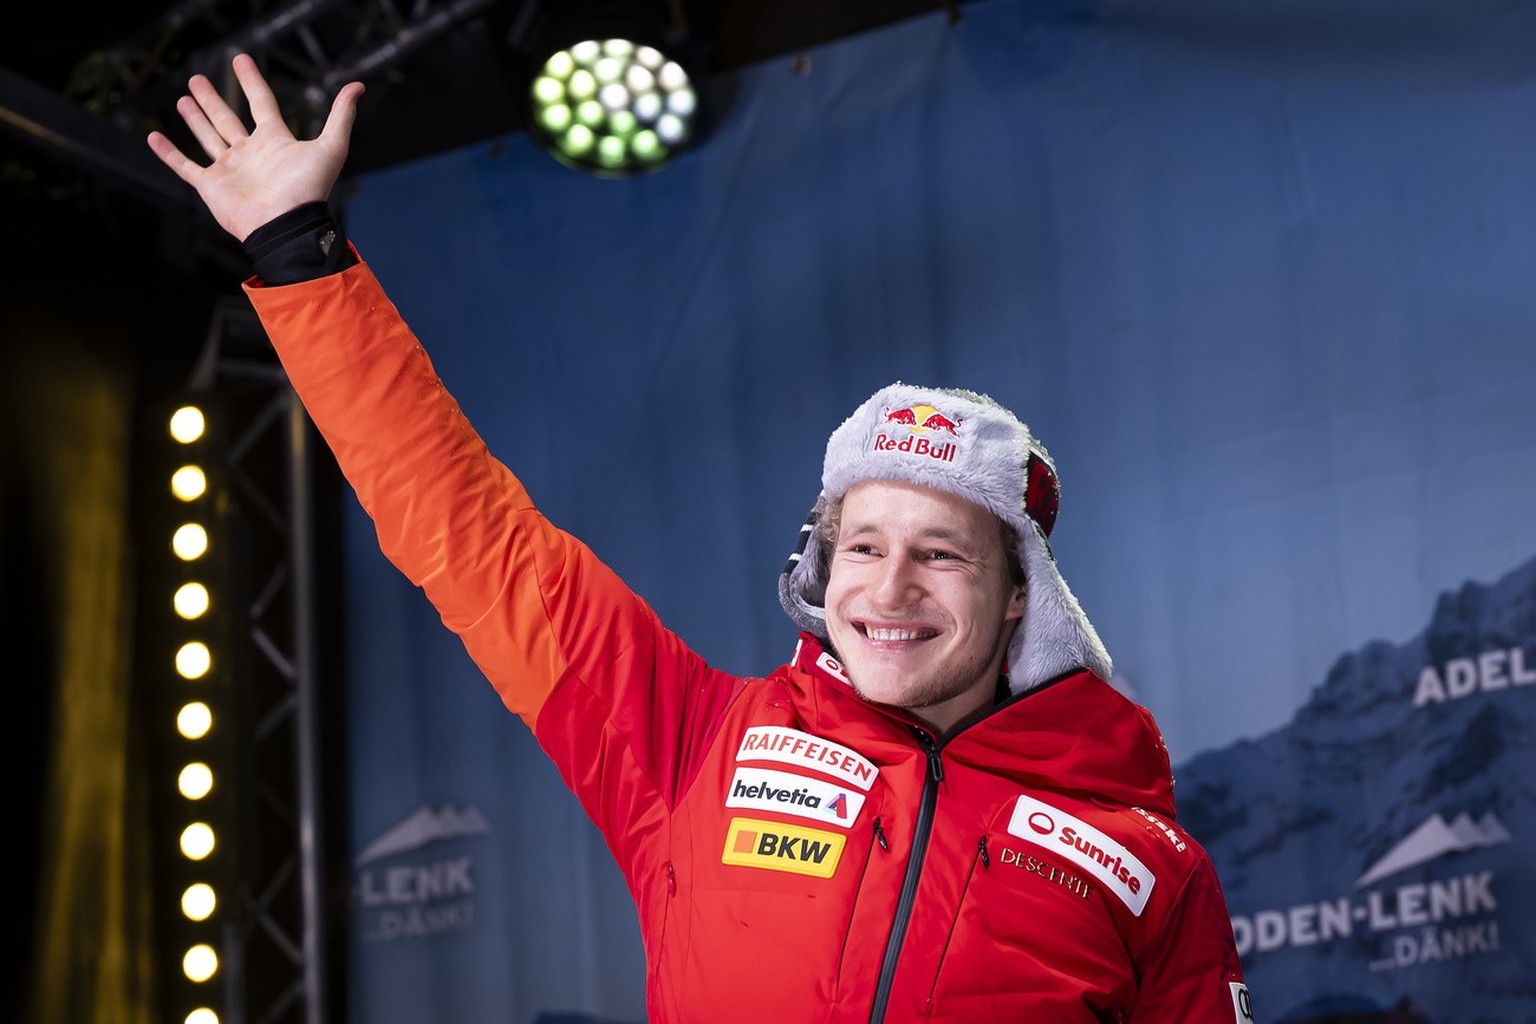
(796, 854)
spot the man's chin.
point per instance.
(892, 696)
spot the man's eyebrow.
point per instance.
(936, 531)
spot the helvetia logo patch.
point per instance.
(1064, 835)
(763, 789)
(751, 843)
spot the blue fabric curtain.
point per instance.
(1256, 273)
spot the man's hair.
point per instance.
(829, 519)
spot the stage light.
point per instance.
(187, 424)
(193, 660)
(200, 962)
(190, 541)
(191, 600)
(194, 720)
(610, 91)
(193, 664)
(197, 841)
(195, 781)
(198, 901)
(189, 483)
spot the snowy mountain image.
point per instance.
(425, 825)
(1376, 850)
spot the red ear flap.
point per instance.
(1042, 494)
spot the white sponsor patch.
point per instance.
(767, 790)
(1242, 1005)
(791, 746)
(1066, 836)
(831, 666)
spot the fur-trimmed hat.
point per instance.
(967, 444)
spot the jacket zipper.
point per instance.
(914, 873)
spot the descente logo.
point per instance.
(1055, 830)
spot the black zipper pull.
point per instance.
(935, 764)
(986, 858)
(880, 836)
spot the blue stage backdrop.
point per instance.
(1260, 276)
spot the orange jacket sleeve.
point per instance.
(538, 612)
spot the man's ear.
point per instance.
(1015, 609)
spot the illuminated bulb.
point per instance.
(198, 902)
(670, 129)
(190, 600)
(187, 424)
(646, 145)
(614, 96)
(202, 1015)
(196, 843)
(193, 660)
(548, 90)
(682, 102)
(639, 78)
(200, 962)
(618, 47)
(189, 483)
(622, 123)
(647, 106)
(610, 151)
(609, 69)
(672, 76)
(578, 140)
(190, 541)
(195, 781)
(583, 85)
(586, 52)
(560, 65)
(194, 720)
(556, 118)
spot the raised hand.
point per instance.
(257, 173)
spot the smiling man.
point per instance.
(921, 600)
(938, 810)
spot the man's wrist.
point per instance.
(300, 245)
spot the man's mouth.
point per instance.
(894, 634)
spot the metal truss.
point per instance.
(308, 49)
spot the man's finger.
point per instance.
(218, 113)
(180, 164)
(206, 134)
(258, 94)
(338, 123)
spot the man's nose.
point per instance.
(898, 583)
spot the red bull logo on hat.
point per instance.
(919, 421)
(922, 418)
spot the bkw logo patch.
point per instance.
(751, 843)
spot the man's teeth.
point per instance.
(897, 634)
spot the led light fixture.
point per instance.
(609, 89)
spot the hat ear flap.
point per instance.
(1042, 493)
(1054, 637)
(803, 582)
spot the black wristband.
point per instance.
(300, 245)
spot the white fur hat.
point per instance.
(967, 444)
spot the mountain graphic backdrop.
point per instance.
(1378, 851)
